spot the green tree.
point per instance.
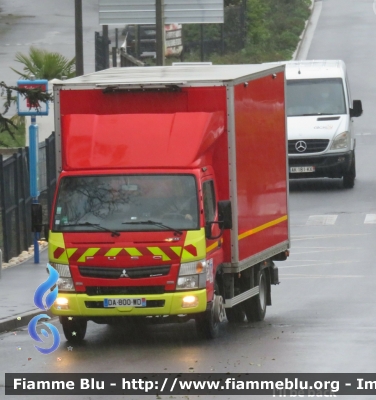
(44, 64)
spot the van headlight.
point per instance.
(341, 141)
(65, 281)
(192, 275)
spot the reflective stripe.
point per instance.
(193, 249)
(88, 253)
(132, 251)
(157, 251)
(262, 227)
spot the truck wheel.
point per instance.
(255, 307)
(74, 329)
(235, 314)
(207, 323)
(349, 176)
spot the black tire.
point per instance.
(235, 314)
(74, 329)
(207, 325)
(349, 176)
(255, 307)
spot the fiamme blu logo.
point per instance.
(44, 297)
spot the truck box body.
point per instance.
(219, 131)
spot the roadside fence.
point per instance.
(15, 200)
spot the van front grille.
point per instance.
(307, 146)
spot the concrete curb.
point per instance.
(303, 37)
(15, 323)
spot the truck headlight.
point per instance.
(192, 275)
(65, 281)
(341, 141)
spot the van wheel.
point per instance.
(255, 307)
(235, 314)
(74, 329)
(349, 176)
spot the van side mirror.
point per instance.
(357, 109)
(36, 217)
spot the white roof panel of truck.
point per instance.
(315, 69)
(184, 74)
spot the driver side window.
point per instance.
(209, 200)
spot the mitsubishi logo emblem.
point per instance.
(124, 274)
(301, 146)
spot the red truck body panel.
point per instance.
(189, 129)
(139, 140)
(261, 165)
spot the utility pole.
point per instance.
(79, 38)
(160, 32)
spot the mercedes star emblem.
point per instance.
(301, 146)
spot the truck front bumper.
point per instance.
(326, 165)
(161, 304)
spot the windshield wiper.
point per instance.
(150, 222)
(98, 226)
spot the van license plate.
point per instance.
(301, 169)
(124, 302)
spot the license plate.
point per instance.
(124, 302)
(301, 169)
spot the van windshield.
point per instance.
(315, 97)
(126, 203)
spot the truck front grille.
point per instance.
(121, 290)
(310, 145)
(133, 273)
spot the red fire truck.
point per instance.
(172, 195)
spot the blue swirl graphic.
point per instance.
(45, 287)
(32, 328)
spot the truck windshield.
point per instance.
(126, 203)
(315, 97)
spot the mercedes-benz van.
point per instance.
(320, 112)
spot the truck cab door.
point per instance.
(214, 251)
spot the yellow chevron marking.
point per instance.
(156, 251)
(88, 253)
(56, 240)
(114, 252)
(70, 252)
(176, 250)
(262, 227)
(132, 251)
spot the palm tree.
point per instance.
(44, 64)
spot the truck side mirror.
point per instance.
(357, 109)
(224, 219)
(36, 217)
(225, 214)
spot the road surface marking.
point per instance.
(320, 264)
(298, 276)
(314, 237)
(322, 219)
(374, 6)
(370, 219)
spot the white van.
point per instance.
(320, 113)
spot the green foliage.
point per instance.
(272, 32)
(45, 65)
(15, 137)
